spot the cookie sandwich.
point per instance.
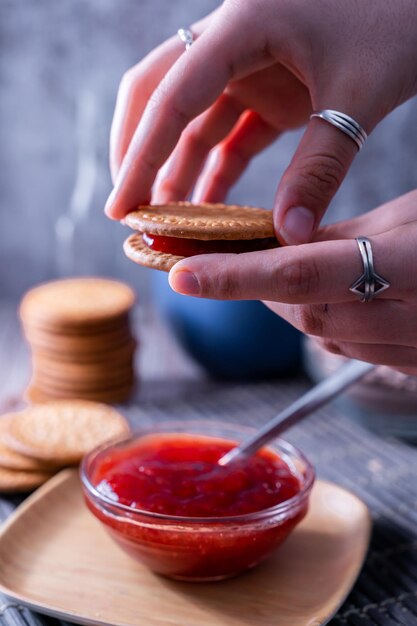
(169, 233)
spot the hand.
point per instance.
(257, 69)
(308, 285)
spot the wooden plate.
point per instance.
(57, 559)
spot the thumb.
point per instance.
(315, 173)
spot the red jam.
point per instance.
(191, 247)
(178, 475)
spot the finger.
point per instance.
(230, 159)
(385, 217)
(392, 355)
(409, 371)
(311, 273)
(376, 322)
(178, 176)
(185, 92)
(314, 175)
(137, 86)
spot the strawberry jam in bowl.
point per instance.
(164, 498)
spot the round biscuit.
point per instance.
(78, 344)
(136, 250)
(41, 394)
(84, 375)
(63, 431)
(74, 301)
(203, 221)
(85, 330)
(111, 355)
(79, 389)
(13, 481)
(11, 459)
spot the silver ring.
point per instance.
(186, 36)
(369, 284)
(345, 123)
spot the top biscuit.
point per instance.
(76, 302)
(203, 221)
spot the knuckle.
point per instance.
(197, 142)
(177, 114)
(320, 175)
(301, 278)
(134, 81)
(149, 163)
(310, 319)
(220, 285)
(169, 186)
(127, 79)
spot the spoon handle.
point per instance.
(301, 408)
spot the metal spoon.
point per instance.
(301, 408)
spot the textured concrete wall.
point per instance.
(60, 64)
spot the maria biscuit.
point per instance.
(63, 431)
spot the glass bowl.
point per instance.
(198, 548)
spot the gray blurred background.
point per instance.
(60, 66)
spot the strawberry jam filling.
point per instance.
(179, 475)
(191, 247)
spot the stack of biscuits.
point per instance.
(41, 440)
(81, 340)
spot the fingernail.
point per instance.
(109, 203)
(298, 225)
(184, 282)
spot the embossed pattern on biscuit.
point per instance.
(203, 221)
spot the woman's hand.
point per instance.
(257, 69)
(308, 285)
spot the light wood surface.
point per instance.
(55, 557)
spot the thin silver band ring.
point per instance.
(369, 284)
(187, 37)
(345, 123)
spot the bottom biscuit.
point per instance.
(138, 252)
(13, 481)
(74, 380)
(18, 462)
